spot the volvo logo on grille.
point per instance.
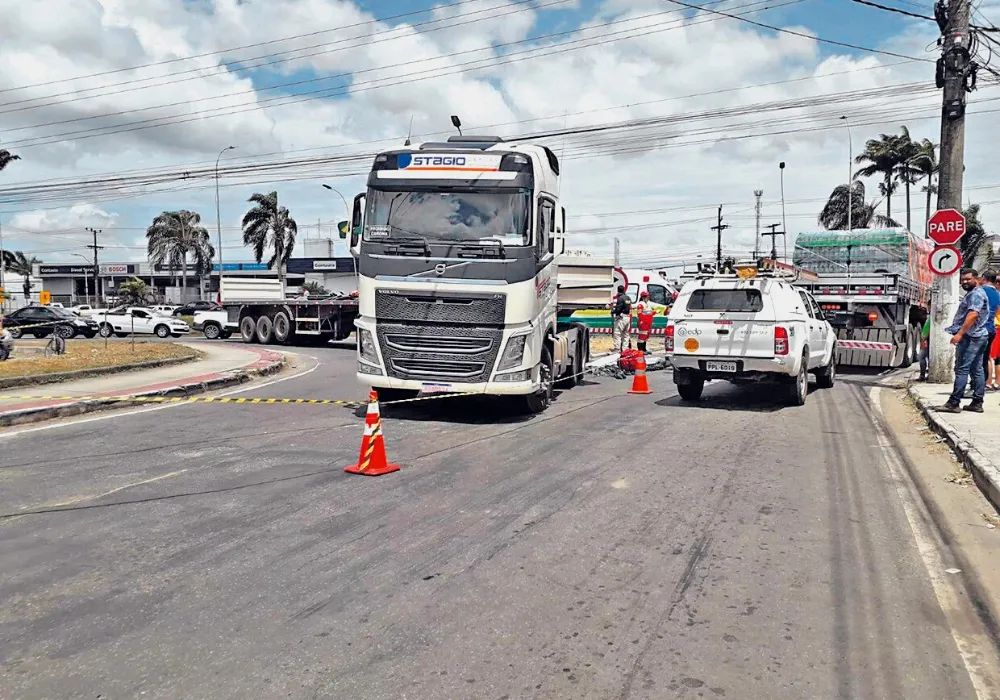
(440, 269)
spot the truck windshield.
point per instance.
(748, 300)
(467, 217)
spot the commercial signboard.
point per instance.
(299, 266)
(240, 267)
(119, 269)
(64, 270)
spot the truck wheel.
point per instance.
(539, 401)
(826, 376)
(692, 390)
(282, 327)
(390, 395)
(799, 389)
(248, 329)
(265, 330)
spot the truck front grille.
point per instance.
(441, 307)
(433, 352)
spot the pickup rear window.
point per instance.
(745, 300)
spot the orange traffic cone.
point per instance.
(639, 383)
(372, 461)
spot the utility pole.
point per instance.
(97, 269)
(774, 240)
(756, 240)
(953, 73)
(719, 228)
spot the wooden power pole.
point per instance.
(719, 228)
(954, 69)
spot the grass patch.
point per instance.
(90, 354)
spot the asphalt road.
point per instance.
(615, 547)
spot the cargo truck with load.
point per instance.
(871, 285)
(464, 285)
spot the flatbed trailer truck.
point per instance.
(871, 285)
(464, 284)
(261, 312)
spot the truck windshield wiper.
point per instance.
(412, 238)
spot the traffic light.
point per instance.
(343, 227)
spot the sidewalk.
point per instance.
(226, 364)
(974, 436)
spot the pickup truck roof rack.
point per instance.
(750, 269)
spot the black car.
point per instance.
(45, 320)
(189, 308)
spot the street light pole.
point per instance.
(784, 226)
(850, 177)
(347, 210)
(218, 212)
(86, 282)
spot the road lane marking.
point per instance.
(974, 644)
(121, 414)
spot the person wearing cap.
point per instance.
(621, 315)
(646, 313)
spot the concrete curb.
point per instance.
(15, 382)
(76, 408)
(984, 472)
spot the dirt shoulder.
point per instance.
(29, 365)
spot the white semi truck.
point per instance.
(463, 281)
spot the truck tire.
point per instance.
(248, 329)
(540, 400)
(282, 328)
(265, 330)
(692, 390)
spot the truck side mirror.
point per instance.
(356, 220)
(557, 246)
(564, 219)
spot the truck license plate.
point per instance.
(720, 366)
(436, 389)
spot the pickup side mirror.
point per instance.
(557, 246)
(356, 221)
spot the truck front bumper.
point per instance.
(492, 388)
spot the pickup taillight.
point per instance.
(780, 340)
(670, 338)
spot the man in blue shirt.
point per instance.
(969, 336)
(989, 285)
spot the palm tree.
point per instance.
(925, 166)
(176, 235)
(974, 233)
(884, 156)
(6, 158)
(269, 225)
(834, 214)
(906, 172)
(21, 264)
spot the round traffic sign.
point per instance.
(945, 261)
(946, 226)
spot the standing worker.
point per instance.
(924, 321)
(989, 281)
(968, 335)
(646, 313)
(621, 318)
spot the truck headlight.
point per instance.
(366, 346)
(513, 354)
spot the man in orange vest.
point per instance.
(646, 313)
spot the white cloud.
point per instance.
(691, 71)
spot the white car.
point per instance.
(214, 324)
(749, 330)
(127, 320)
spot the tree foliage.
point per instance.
(268, 225)
(6, 158)
(174, 237)
(21, 264)
(133, 292)
(863, 214)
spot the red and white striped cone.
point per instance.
(372, 461)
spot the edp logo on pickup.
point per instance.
(409, 160)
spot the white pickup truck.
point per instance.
(215, 324)
(126, 320)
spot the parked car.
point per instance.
(164, 309)
(761, 329)
(140, 321)
(46, 320)
(190, 308)
(215, 324)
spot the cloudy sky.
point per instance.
(119, 108)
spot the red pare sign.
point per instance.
(946, 226)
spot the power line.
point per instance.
(893, 9)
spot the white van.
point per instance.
(749, 330)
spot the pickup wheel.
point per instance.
(282, 327)
(212, 330)
(265, 330)
(248, 329)
(826, 376)
(692, 390)
(106, 331)
(799, 388)
(540, 400)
